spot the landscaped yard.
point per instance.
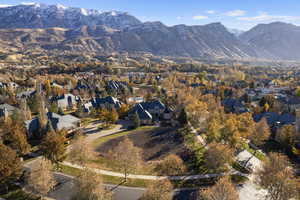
(156, 143)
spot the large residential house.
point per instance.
(6, 110)
(26, 94)
(116, 86)
(66, 101)
(276, 120)
(151, 112)
(58, 122)
(234, 106)
(144, 116)
(108, 102)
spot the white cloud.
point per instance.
(179, 18)
(267, 17)
(235, 13)
(28, 3)
(200, 17)
(4, 6)
(211, 12)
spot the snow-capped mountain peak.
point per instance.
(37, 15)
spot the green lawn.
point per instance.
(108, 179)
(257, 154)
(143, 183)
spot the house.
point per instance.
(249, 161)
(12, 85)
(66, 101)
(26, 94)
(116, 86)
(155, 107)
(135, 99)
(108, 102)
(6, 110)
(276, 120)
(292, 103)
(152, 111)
(234, 106)
(58, 122)
(196, 85)
(144, 116)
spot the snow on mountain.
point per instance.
(38, 15)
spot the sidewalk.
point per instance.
(149, 177)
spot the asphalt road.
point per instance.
(64, 190)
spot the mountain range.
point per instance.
(56, 27)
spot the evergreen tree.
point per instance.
(136, 120)
(182, 118)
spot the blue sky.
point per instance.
(240, 14)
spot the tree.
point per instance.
(136, 120)
(26, 112)
(104, 115)
(213, 131)
(246, 124)
(127, 156)
(123, 111)
(159, 190)
(277, 177)
(261, 133)
(113, 116)
(222, 190)
(16, 137)
(89, 186)
(218, 157)
(287, 136)
(80, 152)
(41, 179)
(170, 165)
(182, 118)
(53, 147)
(230, 132)
(10, 164)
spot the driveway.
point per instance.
(92, 132)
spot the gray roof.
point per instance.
(58, 122)
(8, 107)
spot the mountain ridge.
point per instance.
(56, 27)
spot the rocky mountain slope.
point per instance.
(38, 15)
(55, 27)
(276, 40)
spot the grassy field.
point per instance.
(102, 140)
(257, 154)
(144, 183)
(108, 179)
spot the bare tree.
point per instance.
(222, 190)
(170, 165)
(41, 179)
(159, 190)
(89, 186)
(261, 133)
(80, 152)
(277, 177)
(128, 156)
(218, 157)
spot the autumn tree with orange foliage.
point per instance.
(222, 190)
(218, 157)
(277, 177)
